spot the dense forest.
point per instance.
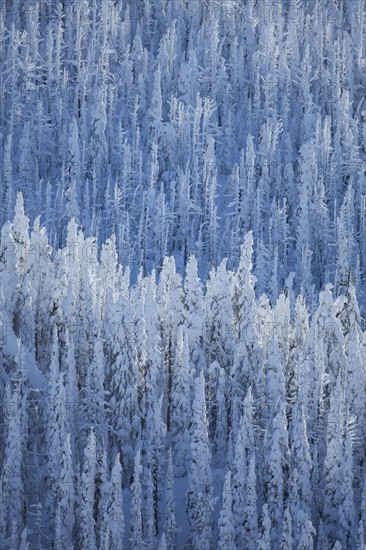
(182, 274)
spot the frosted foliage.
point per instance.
(182, 275)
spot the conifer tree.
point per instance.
(287, 540)
(169, 300)
(347, 513)
(87, 487)
(12, 489)
(333, 463)
(199, 497)
(250, 509)
(300, 457)
(181, 406)
(123, 380)
(264, 538)
(276, 457)
(170, 526)
(226, 524)
(113, 525)
(65, 499)
(193, 314)
(94, 400)
(136, 505)
(55, 424)
(244, 446)
(219, 316)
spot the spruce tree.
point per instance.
(226, 524)
(87, 488)
(135, 538)
(199, 496)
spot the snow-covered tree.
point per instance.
(244, 447)
(264, 538)
(87, 487)
(193, 314)
(250, 509)
(113, 524)
(65, 517)
(219, 316)
(199, 497)
(276, 458)
(347, 514)
(136, 505)
(170, 525)
(226, 523)
(169, 300)
(181, 405)
(12, 489)
(333, 463)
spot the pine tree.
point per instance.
(220, 418)
(87, 482)
(55, 423)
(113, 525)
(71, 388)
(169, 300)
(8, 268)
(344, 243)
(333, 463)
(94, 400)
(181, 406)
(151, 357)
(321, 539)
(360, 537)
(244, 295)
(58, 530)
(237, 386)
(226, 524)
(65, 499)
(122, 379)
(219, 315)
(20, 233)
(170, 526)
(329, 329)
(101, 487)
(287, 540)
(276, 457)
(307, 531)
(136, 505)
(193, 314)
(199, 497)
(13, 498)
(245, 310)
(355, 388)
(148, 509)
(347, 513)
(264, 538)
(244, 447)
(275, 380)
(74, 167)
(300, 457)
(250, 510)
(155, 460)
(282, 313)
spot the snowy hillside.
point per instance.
(182, 274)
(181, 124)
